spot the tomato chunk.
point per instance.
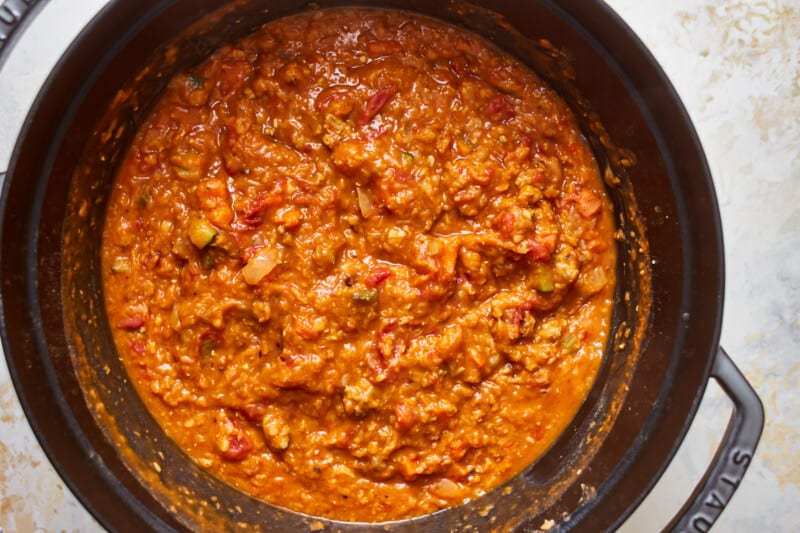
(377, 276)
(375, 103)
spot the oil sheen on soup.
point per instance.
(360, 264)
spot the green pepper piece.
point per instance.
(207, 348)
(184, 173)
(544, 280)
(201, 232)
(195, 82)
(207, 260)
(368, 295)
(144, 198)
(569, 342)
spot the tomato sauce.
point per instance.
(360, 264)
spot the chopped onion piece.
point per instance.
(262, 263)
(364, 203)
(447, 489)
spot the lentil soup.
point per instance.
(360, 264)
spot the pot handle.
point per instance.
(715, 489)
(14, 16)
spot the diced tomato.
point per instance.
(405, 415)
(549, 241)
(248, 253)
(377, 276)
(238, 447)
(337, 100)
(504, 223)
(232, 441)
(499, 108)
(250, 221)
(514, 316)
(385, 342)
(137, 347)
(376, 361)
(375, 103)
(254, 412)
(572, 147)
(431, 292)
(253, 215)
(295, 359)
(447, 261)
(389, 325)
(304, 199)
(231, 76)
(132, 322)
(538, 251)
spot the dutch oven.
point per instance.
(663, 348)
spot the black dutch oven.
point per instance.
(664, 344)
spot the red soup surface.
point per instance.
(360, 264)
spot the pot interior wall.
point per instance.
(55, 277)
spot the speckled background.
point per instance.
(736, 66)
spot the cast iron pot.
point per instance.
(664, 344)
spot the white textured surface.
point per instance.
(736, 65)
